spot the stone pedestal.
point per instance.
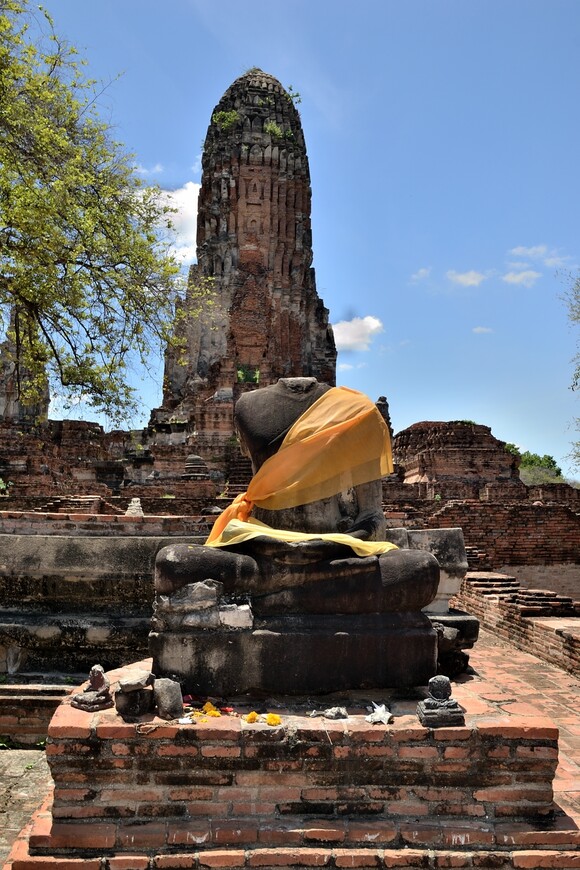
(305, 654)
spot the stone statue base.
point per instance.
(301, 654)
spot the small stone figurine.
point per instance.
(96, 696)
(439, 709)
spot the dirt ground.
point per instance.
(24, 780)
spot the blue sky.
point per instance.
(443, 145)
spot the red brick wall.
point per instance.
(549, 640)
(26, 711)
(520, 534)
(35, 523)
(155, 787)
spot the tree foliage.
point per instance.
(536, 469)
(573, 301)
(87, 279)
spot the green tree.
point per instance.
(86, 272)
(573, 300)
(536, 469)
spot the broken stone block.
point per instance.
(193, 596)
(236, 616)
(136, 681)
(135, 703)
(168, 698)
(201, 619)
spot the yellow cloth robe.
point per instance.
(341, 441)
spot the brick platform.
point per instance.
(26, 711)
(550, 629)
(308, 793)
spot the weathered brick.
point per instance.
(534, 859)
(410, 735)
(289, 858)
(404, 858)
(233, 833)
(70, 722)
(424, 833)
(533, 753)
(207, 808)
(222, 858)
(374, 833)
(175, 862)
(173, 751)
(189, 833)
(418, 752)
(150, 835)
(328, 833)
(221, 751)
(357, 858)
(193, 792)
(128, 862)
(276, 833)
(456, 752)
(83, 836)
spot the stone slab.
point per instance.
(317, 655)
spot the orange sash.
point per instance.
(341, 441)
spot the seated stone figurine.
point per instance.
(296, 589)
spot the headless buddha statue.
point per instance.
(296, 561)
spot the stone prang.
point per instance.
(254, 243)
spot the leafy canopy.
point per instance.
(536, 469)
(87, 279)
(572, 298)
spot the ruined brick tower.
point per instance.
(254, 240)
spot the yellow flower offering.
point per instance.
(273, 719)
(213, 713)
(208, 707)
(252, 717)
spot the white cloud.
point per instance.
(356, 334)
(518, 264)
(535, 252)
(197, 164)
(553, 259)
(157, 169)
(481, 330)
(184, 199)
(526, 279)
(466, 279)
(559, 261)
(421, 274)
(347, 367)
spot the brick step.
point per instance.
(476, 559)
(308, 858)
(515, 846)
(37, 692)
(80, 504)
(26, 710)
